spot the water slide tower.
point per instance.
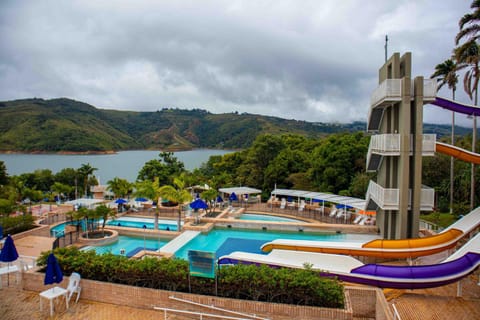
(397, 147)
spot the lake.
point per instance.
(124, 164)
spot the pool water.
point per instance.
(135, 222)
(59, 230)
(264, 217)
(226, 241)
(128, 246)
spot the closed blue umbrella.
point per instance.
(219, 199)
(233, 197)
(54, 273)
(198, 204)
(8, 254)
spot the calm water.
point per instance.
(124, 164)
(264, 217)
(129, 246)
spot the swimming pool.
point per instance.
(264, 217)
(226, 241)
(59, 230)
(136, 222)
(128, 246)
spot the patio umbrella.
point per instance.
(54, 273)
(120, 201)
(141, 199)
(8, 254)
(198, 204)
(233, 197)
(219, 199)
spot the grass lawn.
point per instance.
(441, 219)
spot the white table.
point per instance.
(51, 294)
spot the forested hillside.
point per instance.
(37, 125)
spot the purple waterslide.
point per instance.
(456, 106)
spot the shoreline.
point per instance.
(107, 152)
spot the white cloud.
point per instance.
(309, 60)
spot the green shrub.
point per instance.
(12, 225)
(293, 286)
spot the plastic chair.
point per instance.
(74, 286)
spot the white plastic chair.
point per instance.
(74, 286)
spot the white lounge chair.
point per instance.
(283, 203)
(333, 213)
(357, 219)
(74, 286)
(302, 205)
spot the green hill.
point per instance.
(61, 125)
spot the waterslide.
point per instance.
(457, 152)
(381, 248)
(346, 268)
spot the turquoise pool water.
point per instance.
(225, 241)
(264, 217)
(59, 230)
(135, 222)
(128, 246)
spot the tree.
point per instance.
(119, 187)
(149, 189)
(105, 213)
(446, 73)
(61, 189)
(84, 172)
(210, 195)
(164, 169)
(3, 174)
(177, 194)
(468, 56)
(469, 27)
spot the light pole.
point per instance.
(144, 231)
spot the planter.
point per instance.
(97, 238)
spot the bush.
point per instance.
(293, 286)
(12, 225)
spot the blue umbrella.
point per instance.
(120, 201)
(54, 273)
(233, 197)
(198, 204)
(141, 199)
(219, 199)
(9, 253)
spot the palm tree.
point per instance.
(85, 171)
(176, 194)
(149, 189)
(446, 73)
(105, 213)
(119, 187)
(468, 56)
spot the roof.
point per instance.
(353, 202)
(85, 202)
(239, 190)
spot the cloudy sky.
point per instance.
(304, 60)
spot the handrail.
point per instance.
(396, 315)
(201, 314)
(219, 309)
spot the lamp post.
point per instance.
(144, 231)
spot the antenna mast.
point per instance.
(386, 46)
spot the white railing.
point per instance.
(388, 143)
(428, 144)
(384, 198)
(388, 199)
(390, 89)
(429, 89)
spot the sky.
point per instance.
(302, 60)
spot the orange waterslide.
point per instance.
(457, 152)
(396, 249)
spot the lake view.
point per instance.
(124, 164)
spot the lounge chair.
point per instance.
(302, 205)
(357, 219)
(283, 203)
(74, 286)
(333, 213)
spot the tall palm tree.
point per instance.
(446, 73)
(468, 57)
(119, 187)
(177, 194)
(85, 171)
(149, 189)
